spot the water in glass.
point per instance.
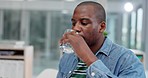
(66, 48)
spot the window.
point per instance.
(12, 20)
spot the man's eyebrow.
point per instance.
(80, 19)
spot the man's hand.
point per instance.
(80, 47)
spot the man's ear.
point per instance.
(102, 26)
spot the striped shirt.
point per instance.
(80, 71)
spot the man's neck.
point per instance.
(98, 45)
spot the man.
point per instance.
(95, 55)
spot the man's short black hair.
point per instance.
(99, 9)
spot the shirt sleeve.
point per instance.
(132, 68)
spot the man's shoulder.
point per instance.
(67, 57)
(112, 46)
(120, 50)
(67, 61)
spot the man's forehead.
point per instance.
(85, 6)
(83, 13)
(84, 10)
(81, 16)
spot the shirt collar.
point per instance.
(106, 47)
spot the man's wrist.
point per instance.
(91, 60)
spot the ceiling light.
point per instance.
(128, 7)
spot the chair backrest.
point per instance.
(140, 54)
(48, 73)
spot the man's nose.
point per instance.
(77, 28)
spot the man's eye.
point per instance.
(84, 23)
(73, 24)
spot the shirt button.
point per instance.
(93, 74)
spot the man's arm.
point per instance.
(131, 68)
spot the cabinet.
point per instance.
(16, 61)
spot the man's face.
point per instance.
(84, 21)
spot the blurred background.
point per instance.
(41, 23)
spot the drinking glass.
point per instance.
(66, 47)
